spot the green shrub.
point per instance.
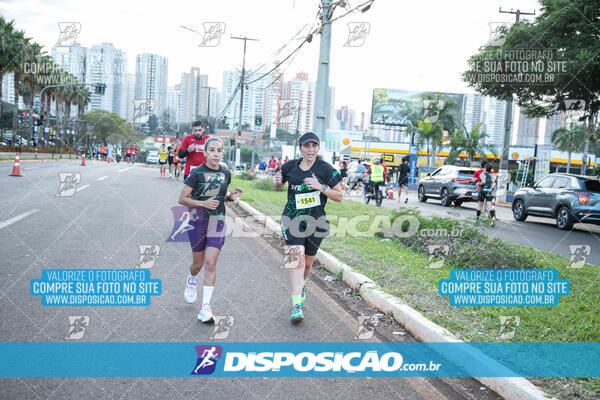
(247, 176)
(468, 247)
(265, 184)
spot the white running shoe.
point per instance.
(190, 290)
(205, 315)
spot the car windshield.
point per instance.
(592, 185)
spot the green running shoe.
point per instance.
(297, 315)
(303, 299)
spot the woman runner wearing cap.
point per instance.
(311, 181)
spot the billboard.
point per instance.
(403, 107)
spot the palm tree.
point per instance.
(569, 140)
(456, 143)
(474, 143)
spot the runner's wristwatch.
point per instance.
(323, 188)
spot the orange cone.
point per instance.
(16, 167)
(83, 161)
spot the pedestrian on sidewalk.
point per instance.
(403, 172)
(311, 181)
(205, 191)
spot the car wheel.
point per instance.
(518, 209)
(421, 194)
(458, 203)
(564, 219)
(445, 197)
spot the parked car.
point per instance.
(449, 184)
(569, 198)
(152, 157)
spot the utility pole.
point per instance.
(208, 110)
(245, 39)
(509, 108)
(321, 97)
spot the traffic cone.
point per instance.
(83, 161)
(16, 167)
(391, 192)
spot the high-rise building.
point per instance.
(151, 72)
(106, 65)
(273, 94)
(528, 130)
(128, 97)
(173, 104)
(345, 118)
(8, 87)
(71, 59)
(494, 121)
(254, 99)
(193, 95)
(300, 91)
(474, 110)
(553, 123)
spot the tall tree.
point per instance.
(569, 139)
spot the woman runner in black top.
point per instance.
(311, 181)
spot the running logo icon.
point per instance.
(508, 326)
(435, 251)
(357, 33)
(366, 326)
(68, 183)
(68, 33)
(181, 224)
(212, 34)
(223, 325)
(148, 254)
(579, 253)
(77, 325)
(207, 359)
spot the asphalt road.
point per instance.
(115, 210)
(537, 232)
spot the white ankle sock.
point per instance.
(207, 292)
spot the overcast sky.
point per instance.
(413, 45)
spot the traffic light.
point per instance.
(258, 120)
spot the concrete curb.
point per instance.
(413, 321)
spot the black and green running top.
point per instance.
(207, 183)
(294, 176)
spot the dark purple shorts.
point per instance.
(207, 233)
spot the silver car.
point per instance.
(569, 198)
(449, 184)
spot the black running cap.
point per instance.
(309, 137)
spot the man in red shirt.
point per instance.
(192, 147)
(477, 180)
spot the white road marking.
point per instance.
(124, 169)
(81, 188)
(17, 218)
(102, 178)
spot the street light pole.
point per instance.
(509, 109)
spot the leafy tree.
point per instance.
(569, 30)
(569, 139)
